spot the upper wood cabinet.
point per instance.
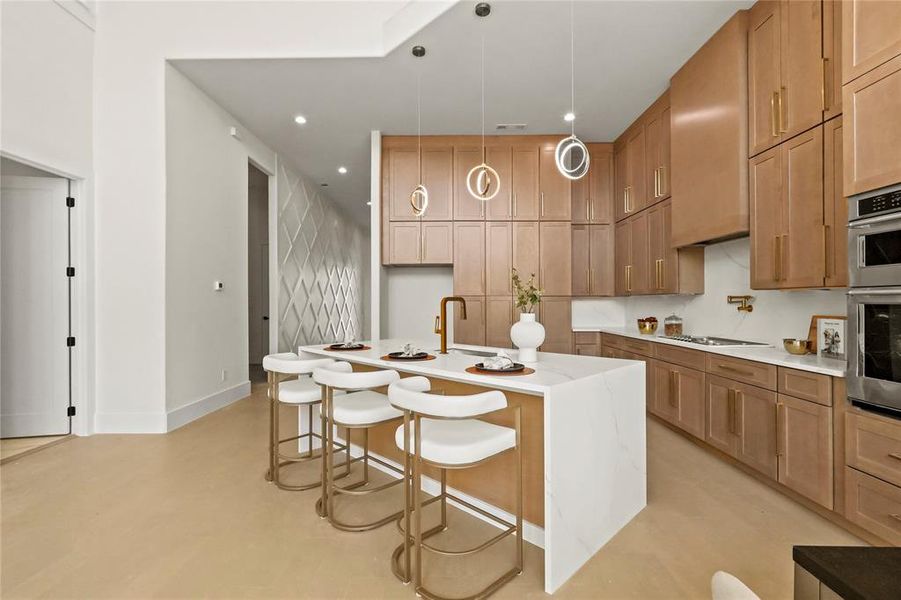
(438, 178)
(832, 58)
(787, 233)
(425, 243)
(636, 191)
(592, 260)
(872, 104)
(804, 448)
(671, 270)
(525, 161)
(555, 256)
(622, 242)
(786, 75)
(620, 180)
(710, 155)
(437, 243)
(469, 259)
(498, 258)
(470, 330)
(870, 36)
(657, 150)
(556, 316)
(401, 177)
(466, 206)
(592, 195)
(500, 158)
(835, 207)
(555, 201)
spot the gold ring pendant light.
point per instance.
(419, 197)
(572, 148)
(482, 181)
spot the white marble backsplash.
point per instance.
(776, 315)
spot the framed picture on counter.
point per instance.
(830, 336)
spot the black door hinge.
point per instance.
(70, 202)
(70, 341)
(70, 271)
(70, 411)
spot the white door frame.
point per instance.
(272, 213)
(82, 232)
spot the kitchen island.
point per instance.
(584, 443)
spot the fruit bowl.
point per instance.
(647, 326)
(795, 346)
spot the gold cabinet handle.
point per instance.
(782, 260)
(662, 180)
(827, 253)
(662, 274)
(626, 199)
(514, 204)
(773, 118)
(730, 408)
(588, 280)
(672, 388)
(587, 209)
(825, 86)
(783, 113)
(780, 429)
(590, 209)
(437, 324)
(628, 278)
(542, 204)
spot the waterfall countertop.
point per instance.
(550, 370)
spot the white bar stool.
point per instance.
(302, 392)
(360, 407)
(446, 435)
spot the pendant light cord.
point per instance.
(572, 68)
(419, 120)
(482, 68)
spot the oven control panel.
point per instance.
(889, 201)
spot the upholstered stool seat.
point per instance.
(459, 442)
(299, 391)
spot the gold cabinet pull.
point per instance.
(825, 85)
(672, 389)
(827, 253)
(514, 204)
(736, 411)
(730, 408)
(591, 209)
(662, 274)
(662, 180)
(655, 182)
(587, 210)
(776, 258)
(629, 278)
(542, 204)
(783, 113)
(780, 427)
(437, 323)
(773, 118)
(782, 257)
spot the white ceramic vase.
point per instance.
(527, 335)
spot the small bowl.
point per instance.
(647, 327)
(795, 346)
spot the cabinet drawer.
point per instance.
(587, 349)
(805, 385)
(586, 337)
(686, 357)
(609, 340)
(873, 445)
(873, 504)
(746, 371)
(637, 346)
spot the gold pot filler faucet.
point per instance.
(744, 301)
(441, 320)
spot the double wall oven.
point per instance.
(874, 300)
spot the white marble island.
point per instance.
(584, 438)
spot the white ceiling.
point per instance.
(625, 54)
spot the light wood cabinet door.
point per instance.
(835, 207)
(621, 182)
(764, 75)
(873, 105)
(756, 425)
(600, 252)
(653, 132)
(720, 427)
(656, 248)
(469, 259)
(525, 182)
(556, 316)
(472, 329)
(804, 450)
(592, 195)
(765, 173)
(662, 402)
(525, 250)
(403, 176)
(555, 256)
(802, 66)
(438, 177)
(498, 320)
(640, 281)
(802, 253)
(587, 349)
(404, 243)
(499, 258)
(690, 405)
(555, 200)
(466, 206)
(622, 235)
(437, 243)
(870, 36)
(581, 263)
(637, 196)
(832, 58)
(500, 208)
(665, 152)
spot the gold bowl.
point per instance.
(647, 327)
(794, 346)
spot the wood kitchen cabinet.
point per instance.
(631, 256)
(466, 206)
(678, 396)
(556, 316)
(832, 58)
(402, 163)
(636, 191)
(500, 158)
(786, 184)
(554, 196)
(872, 104)
(592, 195)
(524, 170)
(498, 258)
(835, 207)
(657, 150)
(498, 320)
(469, 258)
(555, 256)
(592, 260)
(786, 75)
(525, 249)
(470, 330)
(804, 448)
(425, 243)
(402, 166)
(620, 179)
(671, 271)
(622, 241)
(438, 178)
(870, 36)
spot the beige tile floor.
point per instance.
(188, 515)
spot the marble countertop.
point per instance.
(767, 354)
(550, 370)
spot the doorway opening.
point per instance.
(257, 269)
(35, 308)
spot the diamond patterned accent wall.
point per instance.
(321, 263)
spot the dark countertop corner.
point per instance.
(854, 572)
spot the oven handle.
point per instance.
(863, 223)
(892, 291)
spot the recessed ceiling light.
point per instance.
(300, 120)
(569, 117)
(342, 170)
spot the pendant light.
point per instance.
(572, 147)
(482, 181)
(419, 197)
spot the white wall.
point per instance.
(133, 40)
(411, 301)
(776, 315)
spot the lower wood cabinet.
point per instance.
(498, 320)
(587, 343)
(556, 316)
(873, 504)
(804, 449)
(678, 396)
(470, 330)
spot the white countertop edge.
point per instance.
(769, 354)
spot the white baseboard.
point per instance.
(130, 422)
(199, 408)
(531, 533)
